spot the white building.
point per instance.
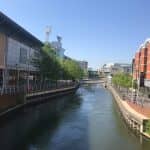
(57, 45)
(113, 68)
(106, 69)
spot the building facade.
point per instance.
(114, 68)
(18, 49)
(141, 65)
(106, 69)
(57, 46)
(83, 65)
(121, 68)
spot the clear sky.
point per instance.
(98, 31)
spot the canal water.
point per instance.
(86, 120)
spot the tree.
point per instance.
(49, 65)
(54, 68)
(72, 70)
(122, 80)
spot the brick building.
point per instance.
(141, 65)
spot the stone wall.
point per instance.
(132, 118)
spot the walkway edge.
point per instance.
(57, 92)
(134, 119)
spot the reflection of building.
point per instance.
(17, 50)
(141, 64)
(57, 45)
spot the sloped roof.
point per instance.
(12, 29)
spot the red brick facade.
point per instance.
(141, 66)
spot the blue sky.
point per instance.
(98, 31)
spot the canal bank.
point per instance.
(134, 119)
(86, 120)
(35, 98)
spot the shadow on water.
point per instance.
(29, 124)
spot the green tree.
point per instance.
(54, 68)
(72, 69)
(49, 65)
(122, 80)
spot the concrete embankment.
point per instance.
(39, 97)
(134, 119)
(44, 95)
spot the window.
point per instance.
(23, 55)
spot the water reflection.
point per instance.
(87, 120)
(30, 123)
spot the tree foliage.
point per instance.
(122, 80)
(55, 68)
(48, 64)
(72, 70)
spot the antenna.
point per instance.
(47, 33)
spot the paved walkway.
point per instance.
(138, 108)
(126, 108)
(144, 110)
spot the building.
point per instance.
(106, 69)
(93, 73)
(141, 64)
(83, 65)
(114, 68)
(18, 48)
(57, 46)
(121, 68)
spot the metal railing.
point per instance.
(36, 87)
(139, 98)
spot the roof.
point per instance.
(12, 29)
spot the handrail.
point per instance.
(41, 86)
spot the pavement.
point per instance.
(140, 105)
(144, 110)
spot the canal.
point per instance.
(86, 120)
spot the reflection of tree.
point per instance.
(121, 125)
(49, 117)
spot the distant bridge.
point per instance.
(90, 81)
